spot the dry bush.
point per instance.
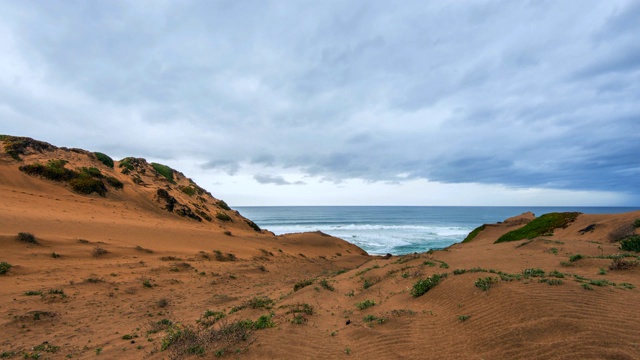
(621, 232)
(141, 249)
(26, 237)
(98, 251)
(187, 340)
(622, 264)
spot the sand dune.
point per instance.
(107, 275)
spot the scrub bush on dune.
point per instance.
(104, 158)
(631, 244)
(26, 237)
(4, 267)
(424, 285)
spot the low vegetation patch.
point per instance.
(424, 285)
(253, 225)
(141, 249)
(576, 257)
(224, 257)
(104, 158)
(631, 244)
(365, 304)
(115, 183)
(84, 180)
(4, 267)
(326, 285)
(472, 235)
(223, 216)
(223, 205)
(86, 183)
(98, 251)
(302, 284)
(26, 237)
(541, 226)
(164, 170)
(209, 317)
(622, 264)
(622, 232)
(533, 272)
(484, 284)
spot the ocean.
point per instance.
(397, 230)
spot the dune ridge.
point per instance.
(132, 274)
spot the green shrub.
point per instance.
(115, 183)
(253, 225)
(54, 170)
(92, 171)
(424, 285)
(264, 322)
(104, 158)
(576, 257)
(533, 272)
(299, 319)
(26, 237)
(189, 190)
(86, 184)
(631, 244)
(209, 317)
(164, 170)
(636, 223)
(4, 267)
(365, 304)
(127, 164)
(223, 205)
(541, 226)
(260, 302)
(223, 216)
(474, 233)
(484, 284)
(302, 284)
(325, 284)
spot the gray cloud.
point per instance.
(497, 92)
(276, 180)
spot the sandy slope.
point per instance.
(105, 297)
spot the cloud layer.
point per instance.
(540, 94)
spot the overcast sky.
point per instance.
(340, 102)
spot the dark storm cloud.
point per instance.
(524, 94)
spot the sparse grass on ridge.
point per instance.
(541, 226)
(165, 171)
(104, 158)
(472, 235)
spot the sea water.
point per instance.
(395, 229)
